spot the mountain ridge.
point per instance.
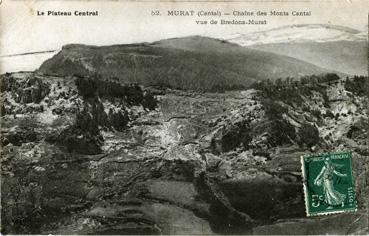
(331, 47)
(345, 56)
(195, 63)
(298, 33)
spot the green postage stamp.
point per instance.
(328, 183)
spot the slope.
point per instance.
(194, 63)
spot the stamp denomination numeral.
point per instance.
(316, 199)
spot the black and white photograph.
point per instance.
(184, 117)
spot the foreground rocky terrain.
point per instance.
(93, 155)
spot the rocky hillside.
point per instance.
(95, 155)
(195, 63)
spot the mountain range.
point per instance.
(196, 63)
(301, 33)
(331, 47)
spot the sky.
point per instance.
(121, 22)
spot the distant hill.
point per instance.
(345, 56)
(332, 47)
(195, 63)
(300, 33)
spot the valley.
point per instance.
(91, 155)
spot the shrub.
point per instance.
(328, 114)
(305, 108)
(316, 113)
(273, 109)
(236, 136)
(309, 135)
(358, 85)
(337, 116)
(86, 87)
(281, 133)
(330, 77)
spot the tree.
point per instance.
(309, 135)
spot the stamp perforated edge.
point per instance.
(304, 183)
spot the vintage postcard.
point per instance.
(184, 117)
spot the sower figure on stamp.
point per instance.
(325, 178)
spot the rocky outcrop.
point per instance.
(28, 90)
(349, 223)
(19, 135)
